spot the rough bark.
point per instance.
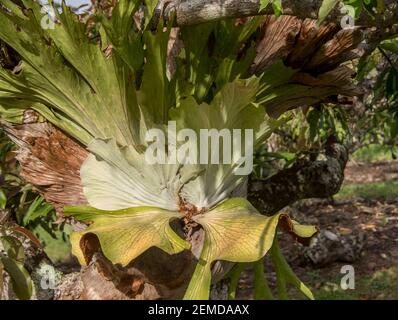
(317, 54)
(309, 179)
(190, 12)
(50, 160)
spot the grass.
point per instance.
(384, 190)
(375, 152)
(382, 284)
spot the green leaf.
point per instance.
(3, 199)
(75, 90)
(13, 248)
(126, 234)
(264, 4)
(277, 6)
(234, 276)
(37, 209)
(372, 6)
(326, 7)
(390, 45)
(157, 91)
(200, 64)
(261, 288)
(150, 6)
(392, 83)
(120, 30)
(357, 5)
(20, 278)
(288, 156)
(236, 232)
(212, 56)
(285, 274)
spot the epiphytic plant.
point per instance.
(105, 80)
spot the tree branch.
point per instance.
(190, 12)
(312, 179)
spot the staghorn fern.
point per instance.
(104, 82)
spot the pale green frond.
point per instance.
(115, 178)
(231, 108)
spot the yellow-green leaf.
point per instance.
(126, 234)
(236, 232)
